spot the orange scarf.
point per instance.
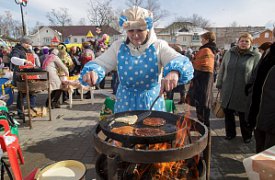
(204, 60)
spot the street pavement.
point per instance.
(69, 136)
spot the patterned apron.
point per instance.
(138, 77)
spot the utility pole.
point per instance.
(21, 4)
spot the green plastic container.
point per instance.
(108, 107)
(14, 129)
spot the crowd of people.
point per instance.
(58, 61)
(145, 67)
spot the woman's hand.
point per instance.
(90, 78)
(28, 62)
(169, 82)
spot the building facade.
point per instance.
(182, 33)
(262, 37)
(73, 34)
(227, 35)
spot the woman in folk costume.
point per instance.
(139, 61)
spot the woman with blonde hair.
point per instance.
(235, 71)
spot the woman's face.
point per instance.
(244, 43)
(137, 36)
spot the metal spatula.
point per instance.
(147, 113)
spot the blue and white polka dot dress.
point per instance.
(138, 77)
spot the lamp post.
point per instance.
(22, 3)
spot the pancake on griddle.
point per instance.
(148, 132)
(154, 121)
(124, 130)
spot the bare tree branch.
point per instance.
(36, 27)
(233, 24)
(82, 21)
(100, 12)
(196, 20)
(131, 3)
(10, 27)
(59, 17)
(152, 5)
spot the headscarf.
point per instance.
(136, 18)
(49, 58)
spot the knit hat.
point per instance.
(26, 40)
(45, 50)
(136, 18)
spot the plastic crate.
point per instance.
(13, 129)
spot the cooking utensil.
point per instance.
(147, 113)
(170, 128)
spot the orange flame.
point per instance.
(170, 170)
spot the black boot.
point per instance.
(88, 96)
(53, 105)
(57, 105)
(47, 103)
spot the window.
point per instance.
(46, 40)
(47, 31)
(75, 40)
(83, 40)
(266, 35)
(183, 38)
(195, 37)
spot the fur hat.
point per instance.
(136, 18)
(26, 40)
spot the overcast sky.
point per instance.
(218, 12)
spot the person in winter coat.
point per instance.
(202, 83)
(75, 55)
(139, 61)
(19, 58)
(53, 64)
(45, 53)
(261, 112)
(87, 53)
(235, 71)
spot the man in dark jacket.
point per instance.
(19, 58)
(262, 113)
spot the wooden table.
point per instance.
(33, 82)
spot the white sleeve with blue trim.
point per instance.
(92, 66)
(103, 64)
(183, 65)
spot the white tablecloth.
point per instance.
(261, 166)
